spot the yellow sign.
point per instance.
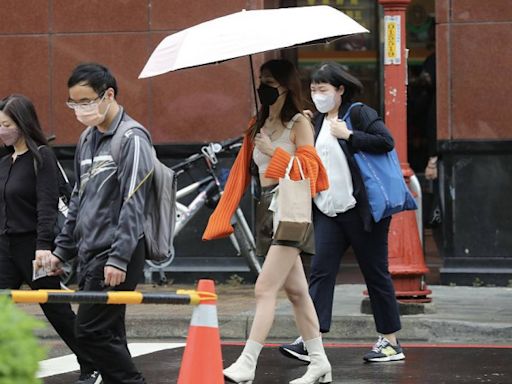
(392, 42)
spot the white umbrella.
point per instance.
(246, 33)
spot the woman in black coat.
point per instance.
(342, 215)
(28, 211)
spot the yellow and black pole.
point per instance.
(183, 297)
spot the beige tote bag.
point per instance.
(293, 206)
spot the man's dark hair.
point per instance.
(97, 76)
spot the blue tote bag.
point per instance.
(383, 180)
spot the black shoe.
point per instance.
(296, 350)
(89, 378)
(383, 351)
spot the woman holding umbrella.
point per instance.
(279, 132)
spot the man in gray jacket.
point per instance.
(104, 226)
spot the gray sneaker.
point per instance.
(90, 378)
(296, 350)
(383, 351)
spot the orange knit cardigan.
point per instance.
(219, 224)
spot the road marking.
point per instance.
(328, 344)
(68, 363)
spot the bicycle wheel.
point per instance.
(245, 241)
(160, 264)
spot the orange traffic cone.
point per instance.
(202, 358)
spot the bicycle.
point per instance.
(208, 191)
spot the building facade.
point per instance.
(474, 139)
(42, 40)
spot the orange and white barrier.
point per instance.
(202, 358)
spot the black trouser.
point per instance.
(16, 255)
(100, 328)
(333, 235)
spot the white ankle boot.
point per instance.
(243, 369)
(319, 369)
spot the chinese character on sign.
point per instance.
(392, 40)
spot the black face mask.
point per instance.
(268, 95)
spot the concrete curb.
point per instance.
(457, 315)
(344, 328)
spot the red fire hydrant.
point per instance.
(406, 259)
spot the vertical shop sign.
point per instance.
(392, 40)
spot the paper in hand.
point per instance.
(38, 271)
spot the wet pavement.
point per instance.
(424, 364)
(466, 315)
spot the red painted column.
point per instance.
(406, 259)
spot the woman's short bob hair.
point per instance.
(334, 74)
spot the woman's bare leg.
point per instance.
(278, 264)
(296, 287)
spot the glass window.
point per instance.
(421, 88)
(359, 54)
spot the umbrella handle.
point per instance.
(253, 81)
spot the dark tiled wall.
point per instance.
(474, 86)
(474, 69)
(42, 40)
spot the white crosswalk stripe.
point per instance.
(68, 363)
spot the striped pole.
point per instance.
(181, 297)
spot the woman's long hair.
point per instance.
(23, 113)
(286, 75)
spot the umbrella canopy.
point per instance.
(246, 33)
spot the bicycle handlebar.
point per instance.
(187, 162)
(225, 146)
(230, 142)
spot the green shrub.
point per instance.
(20, 352)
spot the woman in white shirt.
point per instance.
(342, 215)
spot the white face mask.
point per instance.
(324, 102)
(89, 115)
